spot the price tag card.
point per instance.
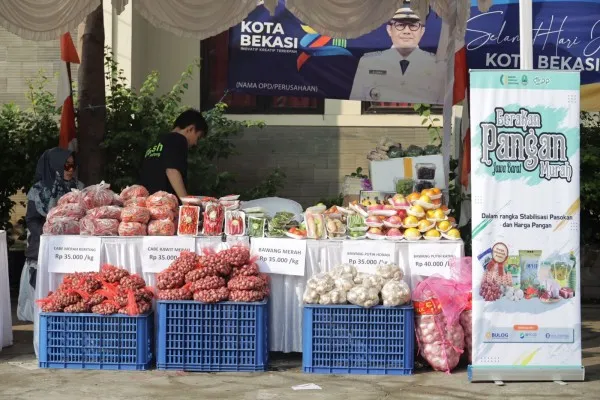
(158, 252)
(74, 254)
(427, 259)
(365, 255)
(280, 256)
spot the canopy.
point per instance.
(48, 19)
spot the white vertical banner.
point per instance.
(525, 201)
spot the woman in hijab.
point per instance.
(55, 175)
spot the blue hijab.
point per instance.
(50, 184)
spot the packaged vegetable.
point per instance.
(69, 210)
(61, 226)
(99, 227)
(213, 220)
(256, 227)
(315, 226)
(132, 229)
(189, 217)
(356, 223)
(395, 293)
(133, 191)
(390, 272)
(431, 150)
(310, 296)
(321, 283)
(344, 270)
(395, 152)
(161, 227)
(335, 227)
(105, 212)
(98, 195)
(135, 214)
(73, 197)
(404, 186)
(336, 296)
(161, 212)
(235, 223)
(425, 171)
(413, 151)
(162, 199)
(136, 201)
(363, 296)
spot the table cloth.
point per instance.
(286, 291)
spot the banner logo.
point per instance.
(520, 149)
(316, 45)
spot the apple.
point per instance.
(373, 219)
(394, 232)
(401, 213)
(395, 220)
(375, 207)
(375, 231)
(397, 197)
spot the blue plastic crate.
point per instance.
(349, 339)
(194, 336)
(92, 341)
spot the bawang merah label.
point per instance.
(154, 151)
(516, 143)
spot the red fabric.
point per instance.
(68, 131)
(461, 75)
(68, 52)
(466, 160)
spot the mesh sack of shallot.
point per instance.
(111, 274)
(132, 282)
(245, 270)
(61, 226)
(132, 229)
(105, 212)
(161, 212)
(70, 210)
(210, 282)
(183, 293)
(170, 279)
(98, 195)
(236, 255)
(215, 264)
(99, 227)
(159, 199)
(186, 262)
(247, 296)
(242, 282)
(137, 214)
(212, 295)
(134, 191)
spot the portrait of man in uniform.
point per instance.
(404, 72)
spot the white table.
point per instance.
(286, 291)
(6, 335)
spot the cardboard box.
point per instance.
(384, 173)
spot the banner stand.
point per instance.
(525, 185)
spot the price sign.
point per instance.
(74, 254)
(427, 259)
(159, 252)
(280, 256)
(365, 255)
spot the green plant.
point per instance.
(359, 174)
(135, 120)
(333, 201)
(590, 179)
(431, 123)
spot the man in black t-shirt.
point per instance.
(165, 163)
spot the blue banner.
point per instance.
(278, 55)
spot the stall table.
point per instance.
(286, 290)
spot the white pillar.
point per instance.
(526, 33)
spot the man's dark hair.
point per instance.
(191, 117)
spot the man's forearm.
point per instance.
(176, 181)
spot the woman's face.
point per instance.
(69, 169)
